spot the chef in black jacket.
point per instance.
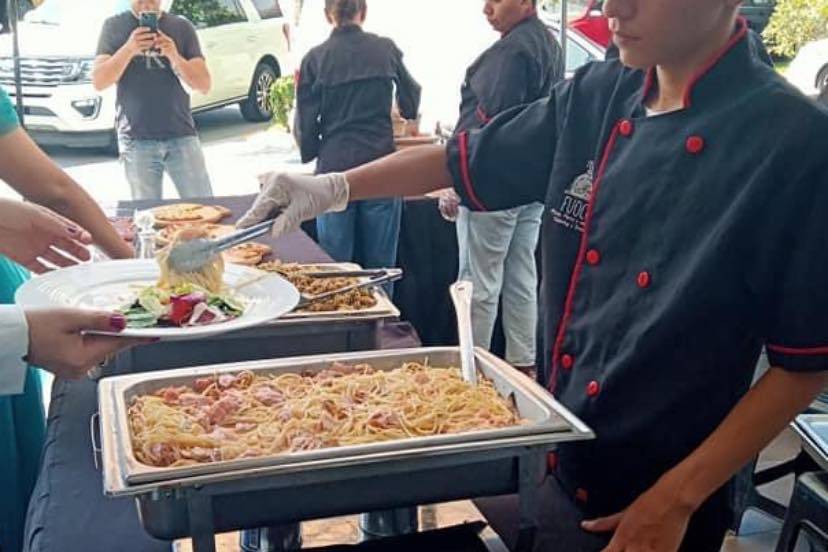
(686, 227)
(344, 96)
(497, 249)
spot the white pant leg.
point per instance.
(520, 285)
(462, 227)
(487, 237)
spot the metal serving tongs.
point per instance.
(191, 255)
(461, 296)
(384, 276)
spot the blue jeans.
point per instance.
(367, 232)
(497, 254)
(146, 160)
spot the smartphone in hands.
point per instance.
(148, 20)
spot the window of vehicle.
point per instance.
(209, 13)
(268, 9)
(576, 55)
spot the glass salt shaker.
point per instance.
(145, 235)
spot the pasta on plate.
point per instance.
(184, 299)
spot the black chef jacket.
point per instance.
(674, 248)
(520, 68)
(344, 94)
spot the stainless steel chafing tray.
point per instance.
(200, 500)
(384, 308)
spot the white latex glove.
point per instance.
(449, 204)
(299, 197)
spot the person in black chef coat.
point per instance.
(344, 97)
(497, 249)
(685, 186)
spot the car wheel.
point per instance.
(822, 81)
(256, 108)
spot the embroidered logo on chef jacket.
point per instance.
(573, 210)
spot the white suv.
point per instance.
(246, 44)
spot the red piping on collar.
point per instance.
(464, 171)
(742, 29)
(481, 115)
(650, 78)
(649, 81)
(805, 351)
(579, 262)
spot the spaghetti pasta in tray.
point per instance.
(248, 415)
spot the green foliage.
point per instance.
(794, 23)
(282, 97)
(204, 13)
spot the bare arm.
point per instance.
(409, 172)
(108, 70)
(193, 71)
(29, 171)
(759, 417)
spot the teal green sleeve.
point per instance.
(8, 115)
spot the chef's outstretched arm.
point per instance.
(503, 165)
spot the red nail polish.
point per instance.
(118, 322)
(73, 230)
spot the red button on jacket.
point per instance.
(567, 362)
(551, 462)
(644, 280)
(695, 145)
(593, 257)
(593, 389)
(581, 495)
(626, 128)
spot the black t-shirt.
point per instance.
(152, 104)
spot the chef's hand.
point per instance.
(656, 522)
(298, 197)
(57, 342)
(32, 235)
(449, 204)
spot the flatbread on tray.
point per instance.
(179, 213)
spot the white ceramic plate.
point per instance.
(112, 284)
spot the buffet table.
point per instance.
(69, 511)
(68, 505)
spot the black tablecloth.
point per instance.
(428, 255)
(68, 511)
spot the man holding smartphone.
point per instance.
(154, 58)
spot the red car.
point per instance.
(593, 24)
